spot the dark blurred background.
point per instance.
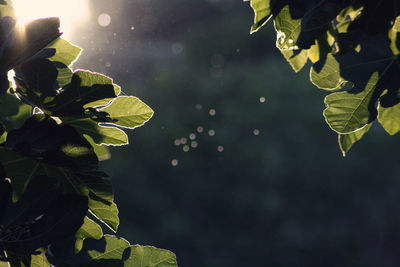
(237, 167)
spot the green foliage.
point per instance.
(348, 42)
(55, 126)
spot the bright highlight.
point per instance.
(69, 11)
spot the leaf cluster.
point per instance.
(353, 47)
(55, 125)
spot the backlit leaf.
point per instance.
(346, 141)
(129, 112)
(348, 112)
(262, 13)
(89, 229)
(389, 118)
(146, 256)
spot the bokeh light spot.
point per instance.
(174, 162)
(194, 144)
(104, 20)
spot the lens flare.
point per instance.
(70, 12)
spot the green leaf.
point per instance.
(346, 141)
(65, 55)
(39, 260)
(371, 68)
(262, 13)
(287, 29)
(348, 112)
(146, 256)
(349, 13)
(101, 135)
(396, 25)
(13, 113)
(129, 112)
(43, 215)
(101, 151)
(20, 177)
(6, 9)
(44, 147)
(389, 118)
(296, 58)
(89, 229)
(328, 75)
(66, 52)
(113, 249)
(107, 213)
(92, 185)
(85, 87)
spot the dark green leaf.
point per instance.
(13, 113)
(85, 88)
(42, 216)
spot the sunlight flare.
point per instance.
(70, 12)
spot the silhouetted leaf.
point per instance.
(23, 43)
(42, 216)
